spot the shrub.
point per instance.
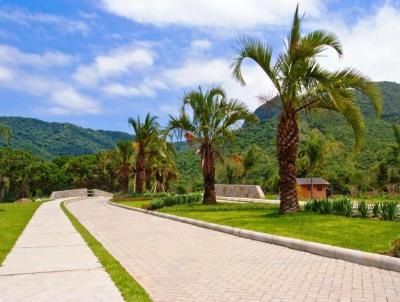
(171, 200)
(326, 207)
(363, 209)
(342, 207)
(376, 210)
(395, 248)
(319, 206)
(389, 210)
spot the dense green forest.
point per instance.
(63, 156)
(50, 140)
(347, 170)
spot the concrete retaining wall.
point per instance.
(69, 193)
(97, 193)
(242, 191)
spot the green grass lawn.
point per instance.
(129, 288)
(13, 219)
(355, 233)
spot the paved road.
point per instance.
(180, 262)
(51, 262)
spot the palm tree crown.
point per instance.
(303, 84)
(206, 119)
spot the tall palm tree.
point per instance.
(208, 121)
(146, 136)
(303, 85)
(125, 153)
(5, 133)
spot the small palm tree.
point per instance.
(164, 166)
(5, 133)
(303, 85)
(146, 138)
(125, 153)
(208, 121)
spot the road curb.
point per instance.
(354, 256)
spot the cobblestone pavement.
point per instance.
(51, 262)
(179, 262)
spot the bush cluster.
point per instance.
(144, 194)
(171, 200)
(388, 210)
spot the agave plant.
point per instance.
(389, 210)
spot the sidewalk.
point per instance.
(51, 262)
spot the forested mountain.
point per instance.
(49, 140)
(344, 167)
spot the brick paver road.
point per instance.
(179, 262)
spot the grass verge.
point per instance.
(129, 288)
(135, 204)
(13, 219)
(355, 233)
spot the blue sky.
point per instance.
(97, 63)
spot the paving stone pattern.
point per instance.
(51, 262)
(179, 262)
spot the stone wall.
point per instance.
(69, 193)
(97, 192)
(242, 191)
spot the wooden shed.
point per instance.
(319, 188)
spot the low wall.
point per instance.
(69, 193)
(242, 191)
(96, 192)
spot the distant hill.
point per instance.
(49, 140)
(379, 132)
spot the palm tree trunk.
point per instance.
(126, 180)
(140, 172)
(147, 176)
(208, 167)
(287, 141)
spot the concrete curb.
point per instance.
(354, 256)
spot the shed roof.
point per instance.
(315, 181)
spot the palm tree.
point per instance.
(208, 121)
(146, 136)
(5, 133)
(125, 153)
(303, 85)
(164, 166)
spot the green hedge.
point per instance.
(388, 210)
(171, 200)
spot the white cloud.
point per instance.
(61, 97)
(116, 63)
(219, 13)
(118, 89)
(70, 100)
(13, 56)
(370, 45)
(195, 72)
(25, 17)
